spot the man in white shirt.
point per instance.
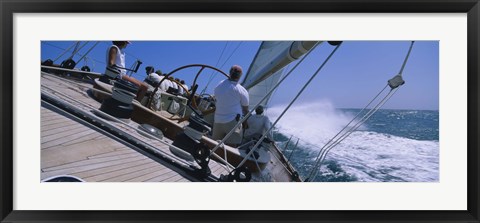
(231, 103)
(184, 85)
(257, 125)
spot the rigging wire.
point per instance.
(64, 52)
(91, 48)
(68, 50)
(290, 104)
(349, 132)
(255, 107)
(212, 76)
(77, 49)
(216, 64)
(394, 83)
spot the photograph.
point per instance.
(259, 111)
(239, 111)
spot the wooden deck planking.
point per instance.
(91, 166)
(135, 172)
(91, 136)
(163, 177)
(148, 177)
(61, 154)
(66, 137)
(99, 171)
(48, 124)
(116, 152)
(96, 157)
(88, 162)
(61, 130)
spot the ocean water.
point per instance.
(392, 146)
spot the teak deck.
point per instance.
(71, 147)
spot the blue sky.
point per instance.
(352, 77)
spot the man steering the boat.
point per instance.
(116, 60)
(231, 103)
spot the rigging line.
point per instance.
(216, 64)
(374, 110)
(231, 54)
(74, 49)
(258, 104)
(290, 104)
(130, 71)
(64, 52)
(77, 49)
(211, 78)
(84, 55)
(349, 132)
(68, 50)
(406, 58)
(325, 154)
(348, 124)
(364, 119)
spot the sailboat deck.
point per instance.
(72, 147)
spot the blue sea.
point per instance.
(392, 146)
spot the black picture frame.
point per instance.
(10, 7)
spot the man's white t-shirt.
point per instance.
(258, 124)
(230, 97)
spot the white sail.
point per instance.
(259, 91)
(267, 66)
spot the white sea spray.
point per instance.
(367, 155)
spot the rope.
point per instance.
(346, 126)
(329, 145)
(84, 55)
(349, 132)
(211, 76)
(216, 64)
(75, 50)
(293, 150)
(68, 50)
(64, 52)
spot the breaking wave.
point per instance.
(366, 155)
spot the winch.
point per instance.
(120, 104)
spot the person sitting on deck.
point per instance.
(149, 70)
(180, 88)
(116, 61)
(173, 86)
(184, 85)
(232, 101)
(151, 78)
(257, 125)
